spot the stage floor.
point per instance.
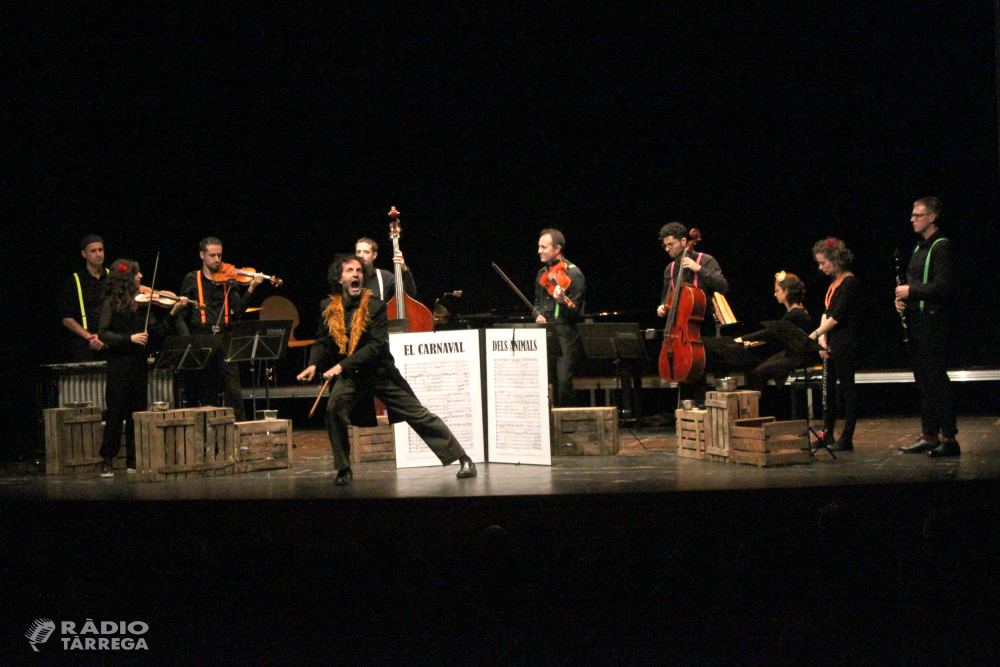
(645, 466)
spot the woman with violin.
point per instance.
(216, 301)
(838, 334)
(126, 329)
(560, 291)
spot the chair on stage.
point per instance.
(281, 308)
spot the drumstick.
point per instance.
(318, 398)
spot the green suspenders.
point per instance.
(927, 265)
(79, 294)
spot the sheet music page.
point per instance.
(443, 369)
(517, 396)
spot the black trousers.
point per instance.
(124, 393)
(219, 373)
(929, 356)
(840, 371)
(563, 343)
(345, 393)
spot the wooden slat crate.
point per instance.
(263, 445)
(373, 443)
(181, 444)
(585, 431)
(691, 433)
(765, 442)
(73, 439)
(724, 408)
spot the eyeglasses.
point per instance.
(918, 215)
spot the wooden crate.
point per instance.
(691, 433)
(765, 442)
(585, 431)
(182, 444)
(724, 408)
(73, 438)
(373, 443)
(263, 445)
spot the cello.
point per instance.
(405, 313)
(682, 357)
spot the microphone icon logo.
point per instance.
(39, 632)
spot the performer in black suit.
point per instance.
(562, 309)
(925, 299)
(81, 301)
(380, 282)
(353, 343)
(838, 333)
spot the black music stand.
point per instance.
(616, 341)
(796, 341)
(258, 340)
(186, 353)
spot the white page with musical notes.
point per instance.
(443, 368)
(517, 396)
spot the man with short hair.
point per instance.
(925, 300)
(703, 270)
(561, 309)
(380, 282)
(213, 307)
(353, 344)
(81, 301)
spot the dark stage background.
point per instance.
(289, 134)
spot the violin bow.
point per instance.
(320, 397)
(516, 291)
(152, 286)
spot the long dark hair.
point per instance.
(120, 287)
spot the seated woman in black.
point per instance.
(789, 290)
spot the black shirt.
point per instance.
(936, 293)
(710, 280)
(389, 284)
(844, 308)
(190, 320)
(92, 289)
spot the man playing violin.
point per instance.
(81, 302)
(352, 344)
(380, 282)
(214, 306)
(707, 274)
(561, 307)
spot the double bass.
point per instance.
(682, 357)
(405, 313)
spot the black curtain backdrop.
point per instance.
(289, 133)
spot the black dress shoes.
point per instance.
(946, 448)
(468, 469)
(920, 446)
(841, 446)
(344, 477)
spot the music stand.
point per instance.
(258, 340)
(186, 353)
(796, 341)
(615, 341)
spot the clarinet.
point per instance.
(899, 282)
(826, 405)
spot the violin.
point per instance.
(555, 276)
(158, 297)
(228, 273)
(682, 356)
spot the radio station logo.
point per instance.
(91, 635)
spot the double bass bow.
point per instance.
(682, 356)
(405, 313)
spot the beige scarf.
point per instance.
(334, 318)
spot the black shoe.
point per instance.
(920, 446)
(841, 446)
(946, 448)
(107, 470)
(344, 477)
(468, 469)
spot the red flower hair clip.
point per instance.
(122, 268)
(830, 243)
